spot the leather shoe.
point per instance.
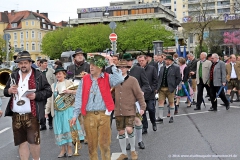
(154, 127)
(43, 128)
(193, 103)
(144, 131)
(159, 120)
(141, 145)
(171, 120)
(227, 107)
(128, 146)
(211, 109)
(197, 108)
(50, 127)
(62, 155)
(207, 96)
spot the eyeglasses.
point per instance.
(120, 67)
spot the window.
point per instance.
(27, 47)
(32, 23)
(40, 47)
(184, 6)
(26, 34)
(26, 23)
(22, 46)
(33, 34)
(175, 9)
(15, 36)
(40, 35)
(33, 47)
(49, 26)
(43, 20)
(44, 25)
(14, 25)
(54, 27)
(21, 35)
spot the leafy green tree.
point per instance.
(199, 49)
(91, 38)
(52, 43)
(2, 47)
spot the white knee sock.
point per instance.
(122, 142)
(194, 95)
(160, 111)
(131, 139)
(139, 133)
(172, 111)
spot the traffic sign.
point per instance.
(6, 36)
(112, 25)
(113, 37)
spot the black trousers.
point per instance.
(43, 121)
(213, 91)
(151, 110)
(200, 88)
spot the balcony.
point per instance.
(166, 4)
(193, 1)
(163, 16)
(223, 6)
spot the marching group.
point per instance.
(107, 87)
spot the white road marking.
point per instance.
(5, 129)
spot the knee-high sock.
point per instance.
(131, 139)
(194, 95)
(122, 142)
(160, 111)
(139, 133)
(172, 109)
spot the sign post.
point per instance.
(7, 37)
(113, 37)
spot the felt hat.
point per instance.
(22, 56)
(123, 63)
(169, 57)
(127, 56)
(149, 55)
(78, 51)
(58, 69)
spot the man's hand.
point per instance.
(73, 121)
(141, 112)
(223, 84)
(46, 115)
(31, 96)
(13, 89)
(192, 73)
(110, 59)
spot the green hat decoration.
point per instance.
(98, 60)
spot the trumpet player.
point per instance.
(26, 111)
(94, 102)
(61, 107)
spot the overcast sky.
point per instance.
(58, 10)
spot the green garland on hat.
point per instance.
(98, 61)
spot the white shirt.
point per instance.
(233, 73)
(22, 88)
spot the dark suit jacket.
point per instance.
(140, 74)
(154, 64)
(151, 73)
(173, 77)
(193, 67)
(71, 70)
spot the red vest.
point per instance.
(104, 86)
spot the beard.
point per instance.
(24, 70)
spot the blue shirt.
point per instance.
(95, 100)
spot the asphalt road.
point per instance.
(192, 136)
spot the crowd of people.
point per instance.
(109, 87)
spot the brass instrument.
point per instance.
(75, 139)
(4, 76)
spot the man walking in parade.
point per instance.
(26, 110)
(193, 68)
(170, 78)
(149, 96)
(202, 77)
(93, 100)
(217, 82)
(48, 72)
(127, 94)
(140, 74)
(233, 76)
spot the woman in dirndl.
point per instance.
(184, 70)
(62, 113)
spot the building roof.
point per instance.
(60, 24)
(18, 16)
